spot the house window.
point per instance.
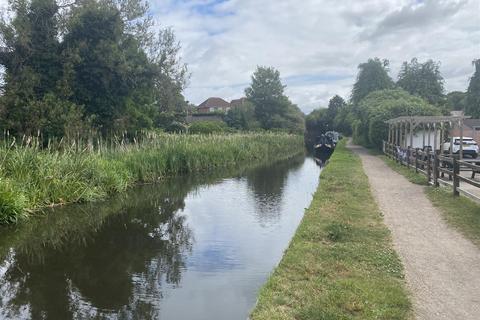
(212, 109)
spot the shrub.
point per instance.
(207, 127)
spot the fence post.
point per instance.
(408, 157)
(416, 160)
(436, 164)
(456, 181)
(428, 165)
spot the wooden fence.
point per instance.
(435, 166)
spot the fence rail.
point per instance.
(434, 166)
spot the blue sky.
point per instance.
(317, 44)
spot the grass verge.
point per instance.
(340, 264)
(460, 212)
(32, 178)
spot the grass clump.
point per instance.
(32, 177)
(460, 212)
(340, 264)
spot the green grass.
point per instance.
(33, 178)
(459, 212)
(340, 264)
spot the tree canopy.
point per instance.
(370, 127)
(472, 99)
(91, 64)
(273, 109)
(372, 76)
(423, 80)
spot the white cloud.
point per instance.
(318, 43)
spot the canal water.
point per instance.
(188, 248)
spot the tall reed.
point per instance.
(34, 175)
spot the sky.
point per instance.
(316, 45)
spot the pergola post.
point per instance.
(411, 133)
(429, 134)
(461, 138)
(423, 127)
(442, 137)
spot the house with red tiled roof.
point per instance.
(238, 102)
(213, 105)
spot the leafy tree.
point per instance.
(171, 74)
(423, 80)
(472, 99)
(372, 76)
(272, 108)
(98, 60)
(335, 104)
(317, 123)
(242, 117)
(369, 125)
(455, 100)
(31, 59)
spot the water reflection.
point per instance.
(267, 184)
(146, 254)
(141, 238)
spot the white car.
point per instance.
(470, 146)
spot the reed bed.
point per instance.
(33, 175)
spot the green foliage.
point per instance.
(320, 121)
(12, 202)
(272, 108)
(372, 112)
(32, 178)
(207, 127)
(100, 61)
(456, 100)
(423, 80)
(472, 99)
(176, 127)
(372, 76)
(242, 117)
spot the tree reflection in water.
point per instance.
(116, 263)
(267, 185)
(118, 258)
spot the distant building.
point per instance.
(238, 102)
(213, 105)
(471, 128)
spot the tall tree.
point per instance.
(472, 99)
(423, 80)
(272, 108)
(372, 76)
(335, 104)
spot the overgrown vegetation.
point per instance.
(375, 97)
(73, 66)
(340, 263)
(32, 177)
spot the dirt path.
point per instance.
(442, 267)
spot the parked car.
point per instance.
(470, 146)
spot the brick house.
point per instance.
(213, 105)
(238, 102)
(471, 128)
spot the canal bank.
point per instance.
(33, 177)
(340, 264)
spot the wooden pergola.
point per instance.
(398, 129)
